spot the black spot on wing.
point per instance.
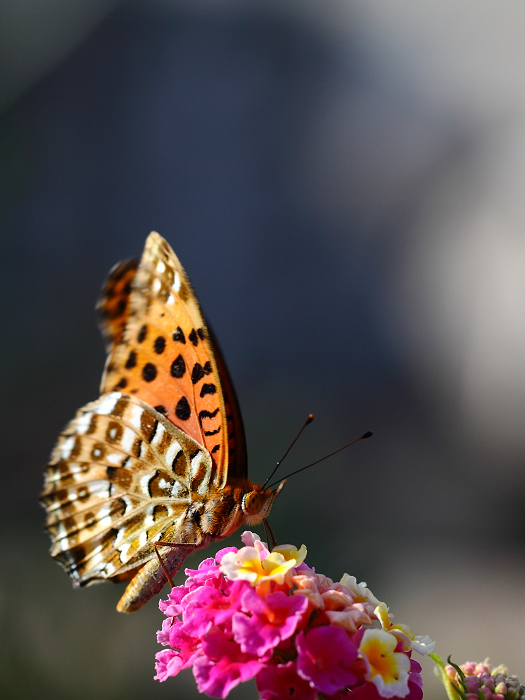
(159, 345)
(212, 432)
(122, 384)
(182, 409)
(178, 335)
(132, 360)
(178, 367)
(208, 414)
(161, 409)
(217, 447)
(197, 373)
(142, 334)
(194, 337)
(208, 389)
(149, 372)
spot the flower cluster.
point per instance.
(480, 681)
(252, 613)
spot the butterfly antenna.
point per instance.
(363, 437)
(307, 422)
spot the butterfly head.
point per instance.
(256, 504)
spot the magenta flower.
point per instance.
(208, 606)
(325, 658)
(270, 620)
(184, 651)
(274, 682)
(223, 666)
(252, 613)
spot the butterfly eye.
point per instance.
(253, 502)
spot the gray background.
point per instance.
(344, 183)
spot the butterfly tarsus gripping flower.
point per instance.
(161, 455)
(255, 613)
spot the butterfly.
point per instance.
(160, 457)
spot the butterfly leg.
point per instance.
(269, 534)
(161, 560)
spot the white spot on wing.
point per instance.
(134, 419)
(144, 482)
(177, 489)
(107, 405)
(67, 447)
(103, 511)
(157, 284)
(171, 453)
(83, 423)
(176, 282)
(159, 434)
(128, 438)
(148, 518)
(128, 502)
(196, 464)
(124, 549)
(108, 521)
(160, 267)
(114, 458)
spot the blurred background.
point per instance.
(343, 182)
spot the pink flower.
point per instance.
(184, 651)
(223, 666)
(272, 620)
(172, 607)
(168, 664)
(208, 573)
(252, 612)
(207, 606)
(325, 658)
(275, 682)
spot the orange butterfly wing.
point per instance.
(166, 357)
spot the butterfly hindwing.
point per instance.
(121, 477)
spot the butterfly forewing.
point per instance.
(166, 357)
